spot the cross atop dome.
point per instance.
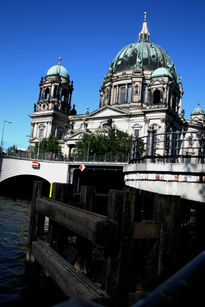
(144, 34)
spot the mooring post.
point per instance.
(36, 223)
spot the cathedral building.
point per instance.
(141, 90)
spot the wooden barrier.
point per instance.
(97, 228)
(70, 281)
(122, 254)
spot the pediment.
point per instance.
(75, 136)
(107, 111)
(157, 82)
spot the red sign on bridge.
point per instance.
(35, 164)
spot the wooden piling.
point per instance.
(133, 246)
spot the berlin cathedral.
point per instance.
(141, 90)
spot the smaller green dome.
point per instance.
(198, 111)
(58, 70)
(161, 72)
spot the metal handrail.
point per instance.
(117, 158)
(175, 147)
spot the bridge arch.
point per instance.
(51, 171)
(22, 186)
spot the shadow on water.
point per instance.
(15, 289)
(20, 187)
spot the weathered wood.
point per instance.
(37, 192)
(166, 212)
(126, 244)
(94, 227)
(62, 192)
(70, 281)
(146, 230)
(87, 197)
(121, 208)
(78, 302)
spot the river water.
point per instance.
(15, 289)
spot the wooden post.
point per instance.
(166, 213)
(57, 235)
(36, 227)
(121, 208)
(88, 198)
(62, 192)
(36, 222)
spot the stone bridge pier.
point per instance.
(183, 179)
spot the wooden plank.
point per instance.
(94, 227)
(146, 230)
(70, 281)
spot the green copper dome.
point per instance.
(58, 70)
(145, 55)
(198, 111)
(142, 55)
(161, 72)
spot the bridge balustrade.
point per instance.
(75, 157)
(170, 147)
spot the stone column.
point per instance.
(117, 95)
(112, 95)
(35, 130)
(32, 130)
(52, 91)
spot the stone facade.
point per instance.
(141, 90)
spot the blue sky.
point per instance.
(88, 35)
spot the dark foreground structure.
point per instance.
(115, 248)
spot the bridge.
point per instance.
(159, 163)
(51, 170)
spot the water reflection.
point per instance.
(14, 223)
(15, 289)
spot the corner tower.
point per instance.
(56, 90)
(51, 113)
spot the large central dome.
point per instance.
(142, 54)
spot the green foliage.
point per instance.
(49, 144)
(12, 150)
(114, 142)
(139, 148)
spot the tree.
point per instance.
(12, 150)
(49, 145)
(113, 142)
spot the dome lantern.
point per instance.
(198, 111)
(144, 34)
(142, 54)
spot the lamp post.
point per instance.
(2, 137)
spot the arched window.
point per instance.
(122, 94)
(47, 96)
(143, 93)
(60, 132)
(55, 92)
(156, 98)
(129, 96)
(64, 96)
(41, 131)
